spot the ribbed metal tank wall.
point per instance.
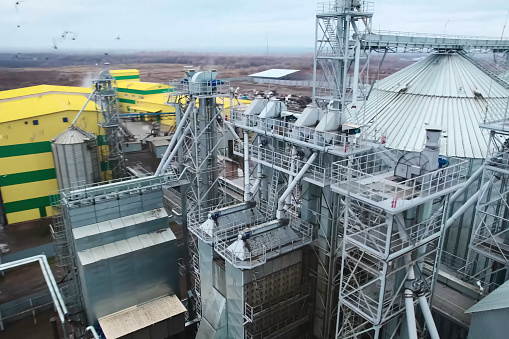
(76, 158)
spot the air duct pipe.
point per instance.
(83, 108)
(428, 317)
(92, 330)
(247, 191)
(232, 131)
(259, 175)
(355, 84)
(469, 182)
(471, 201)
(281, 201)
(175, 137)
(292, 171)
(175, 150)
(408, 294)
(258, 181)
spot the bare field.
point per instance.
(78, 70)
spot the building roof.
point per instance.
(135, 318)
(43, 89)
(121, 247)
(274, 73)
(34, 106)
(73, 135)
(443, 89)
(498, 299)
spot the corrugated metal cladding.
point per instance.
(443, 89)
(496, 300)
(490, 316)
(76, 158)
(490, 324)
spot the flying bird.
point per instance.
(69, 34)
(17, 4)
(118, 38)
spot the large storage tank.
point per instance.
(76, 158)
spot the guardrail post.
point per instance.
(33, 310)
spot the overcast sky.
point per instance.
(220, 25)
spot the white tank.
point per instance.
(76, 158)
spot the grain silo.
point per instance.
(447, 90)
(76, 158)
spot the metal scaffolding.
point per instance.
(391, 240)
(340, 25)
(106, 98)
(196, 155)
(488, 256)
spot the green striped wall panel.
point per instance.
(127, 77)
(25, 177)
(142, 92)
(28, 204)
(25, 149)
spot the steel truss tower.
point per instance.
(108, 118)
(197, 145)
(391, 241)
(340, 25)
(488, 258)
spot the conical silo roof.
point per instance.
(72, 135)
(445, 90)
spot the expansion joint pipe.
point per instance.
(173, 140)
(281, 201)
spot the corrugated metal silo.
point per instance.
(76, 158)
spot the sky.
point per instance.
(233, 26)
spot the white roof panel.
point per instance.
(445, 90)
(135, 318)
(274, 73)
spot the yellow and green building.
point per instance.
(29, 118)
(146, 100)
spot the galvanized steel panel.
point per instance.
(444, 90)
(116, 275)
(235, 292)
(498, 299)
(489, 324)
